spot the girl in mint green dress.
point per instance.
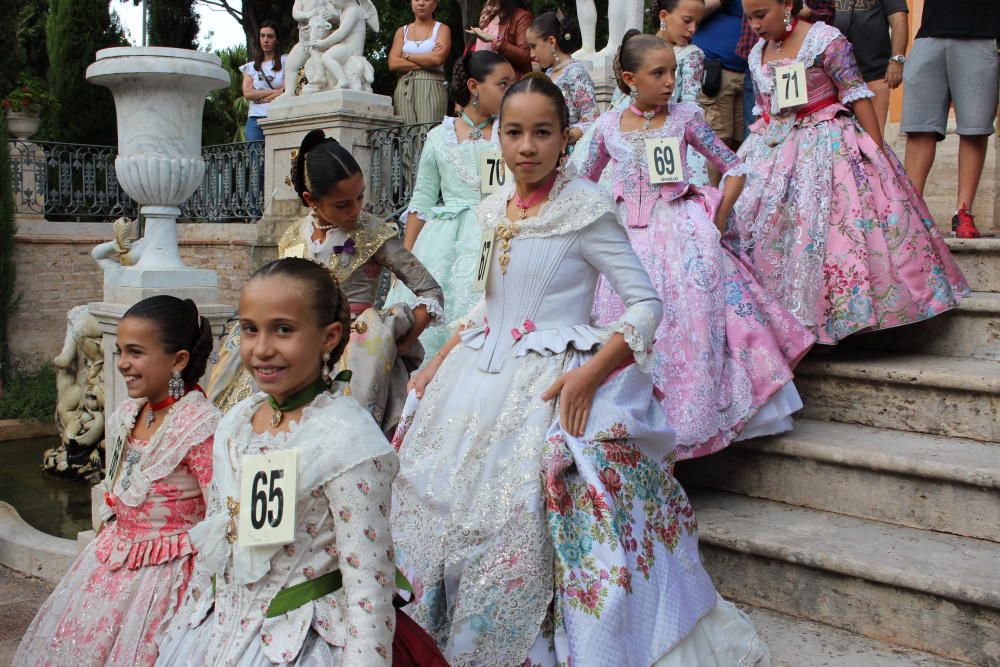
(441, 227)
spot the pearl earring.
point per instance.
(326, 366)
(788, 20)
(663, 25)
(475, 100)
(555, 55)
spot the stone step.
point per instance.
(916, 588)
(924, 393)
(949, 485)
(970, 330)
(979, 260)
(796, 642)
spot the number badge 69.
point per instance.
(267, 499)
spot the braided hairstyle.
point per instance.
(179, 327)
(475, 65)
(631, 54)
(324, 298)
(321, 163)
(566, 30)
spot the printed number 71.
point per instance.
(789, 78)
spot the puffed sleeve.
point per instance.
(427, 187)
(607, 248)
(700, 135)
(582, 98)
(840, 65)
(597, 152)
(408, 269)
(692, 68)
(474, 318)
(360, 499)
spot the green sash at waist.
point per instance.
(295, 596)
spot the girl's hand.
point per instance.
(423, 377)
(575, 390)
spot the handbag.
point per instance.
(712, 81)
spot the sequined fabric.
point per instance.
(829, 222)
(127, 584)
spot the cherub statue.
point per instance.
(80, 398)
(333, 58)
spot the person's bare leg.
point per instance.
(971, 157)
(880, 101)
(920, 150)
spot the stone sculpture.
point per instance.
(328, 58)
(80, 400)
(122, 251)
(622, 16)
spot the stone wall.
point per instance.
(55, 272)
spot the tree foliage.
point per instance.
(173, 23)
(225, 108)
(76, 30)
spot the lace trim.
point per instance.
(741, 169)
(574, 204)
(434, 309)
(817, 39)
(855, 94)
(642, 351)
(415, 211)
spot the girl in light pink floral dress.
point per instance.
(829, 220)
(725, 348)
(129, 581)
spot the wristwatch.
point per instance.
(898, 59)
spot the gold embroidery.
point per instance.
(506, 233)
(234, 512)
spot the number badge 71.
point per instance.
(267, 499)
(790, 85)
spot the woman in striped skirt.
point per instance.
(418, 52)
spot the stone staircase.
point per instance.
(871, 534)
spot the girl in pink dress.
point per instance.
(725, 348)
(128, 582)
(829, 220)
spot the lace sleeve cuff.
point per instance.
(855, 94)
(642, 349)
(434, 309)
(414, 211)
(741, 169)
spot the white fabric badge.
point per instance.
(486, 244)
(493, 171)
(663, 158)
(267, 499)
(790, 85)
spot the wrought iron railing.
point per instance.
(67, 180)
(233, 186)
(78, 182)
(395, 154)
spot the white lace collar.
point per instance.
(574, 203)
(817, 39)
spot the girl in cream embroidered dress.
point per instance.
(527, 545)
(128, 582)
(345, 471)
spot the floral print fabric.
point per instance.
(578, 88)
(829, 221)
(127, 583)
(690, 74)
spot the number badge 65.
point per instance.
(267, 499)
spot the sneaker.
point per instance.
(963, 224)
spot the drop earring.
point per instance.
(788, 20)
(325, 357)
(175, 387)
(475, 101)
(555, 56)
(663, 25)
(633, 94)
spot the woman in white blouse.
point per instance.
(263, 78)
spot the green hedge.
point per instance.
(30, 395)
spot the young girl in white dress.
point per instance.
(321, 593)
(127, 583)
(441, 228)
(535, 510)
